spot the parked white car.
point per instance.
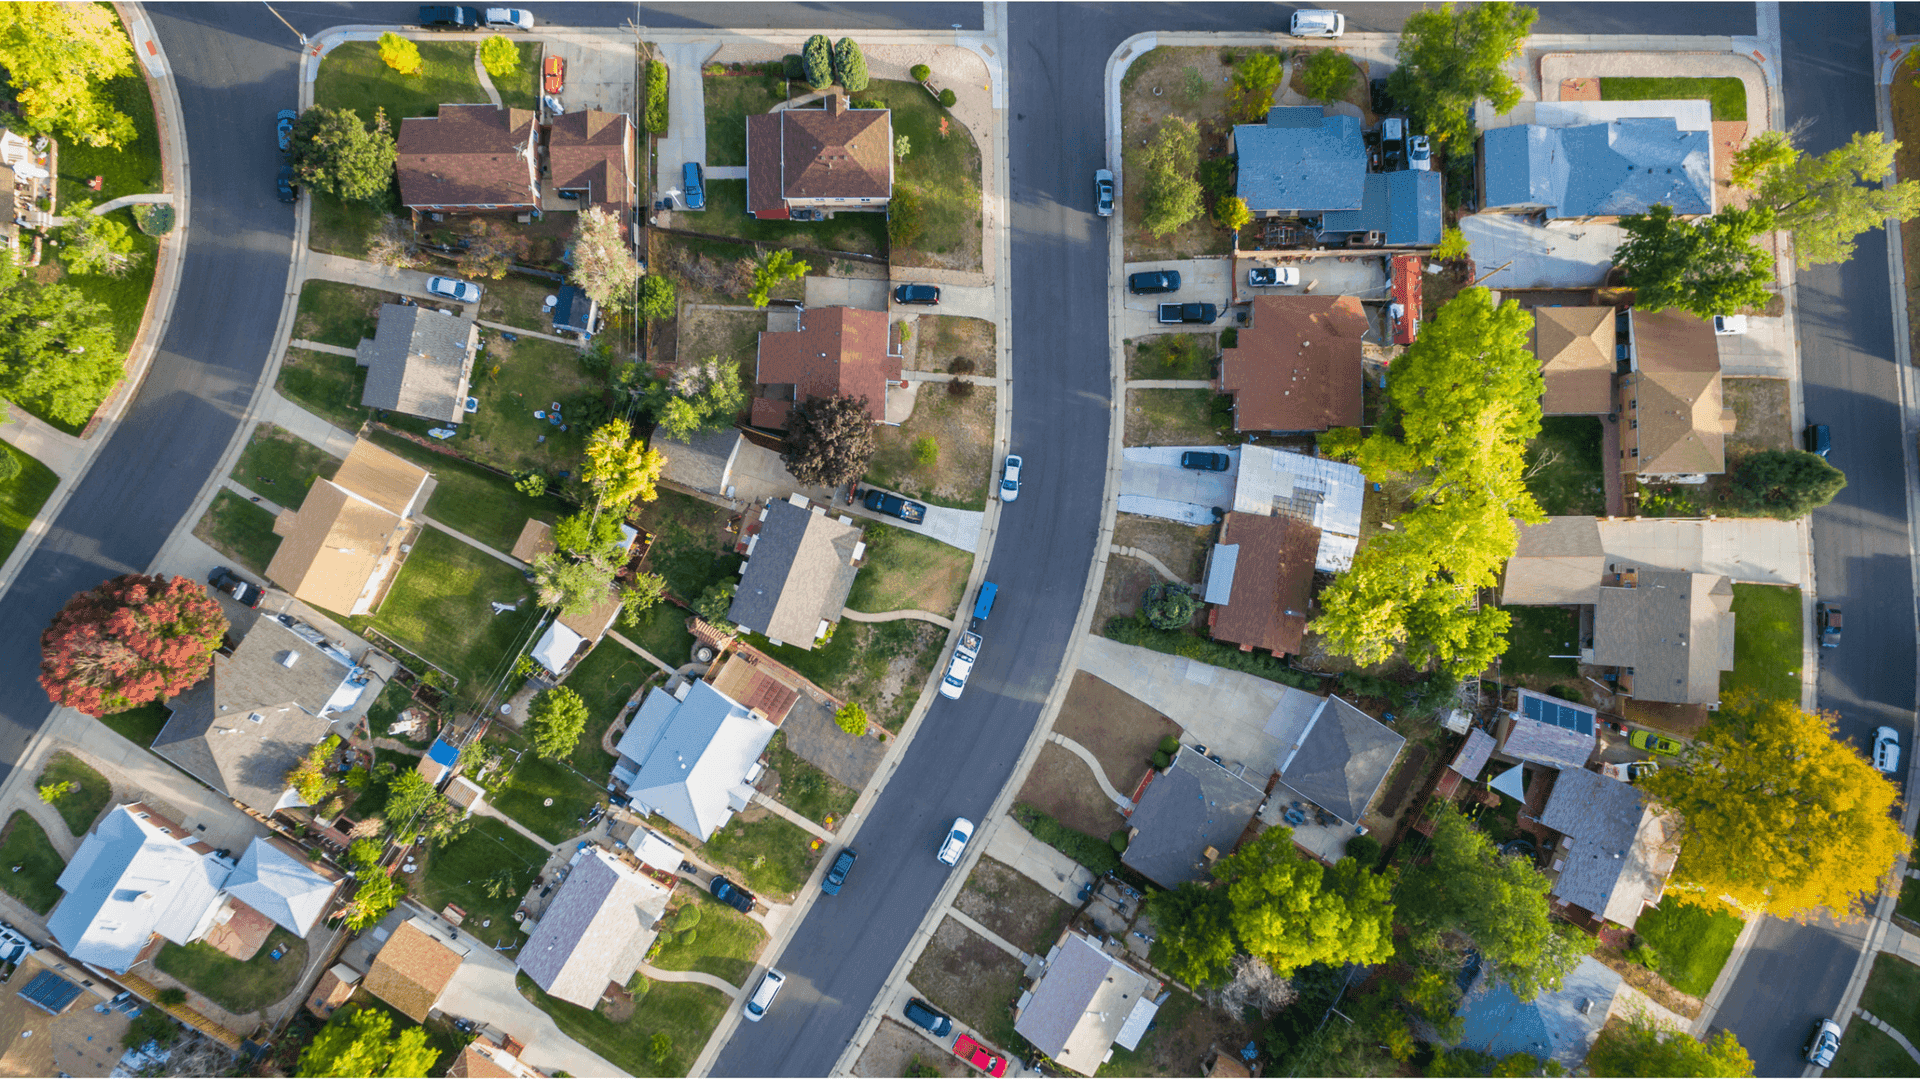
(956, 841)
(1727, 325)
(464, 291)
(965, 655)
(1419, 154)
(1317, 22)
(1886, 750)
(762, 999)
(516, 18)
(1010, 479)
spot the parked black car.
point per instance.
(837, 874)
(1153, 281)
(1830, 621)
(1205, 461)
(917, 294)
(928, 1017)
(1188, 313)
(1819, 439)
(236, 586)
(905, 509)
(435, 17)
(289, 190)
(731, 895)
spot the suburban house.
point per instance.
(485, 1058)
(139, 880)
(1615, 851)
(414, 966)
(1304, 162)
(1576, 349)
(574, 312)
(1326, 494)
(590, 164)
(692, 756)
(1340, 759)
(1668, 634)
(441, 758)
(762, 686)
(25, 178)
(1188, 816)
(834, 351)
(343, 548)
(803, 162)
(1558, 1024)
(419, 362)
(470, 159)
(1674, 422)
(701, 463)
(1564, 559)
(336, 985)
(1083, 1002)
(800, 567)
(1547, 731)
(1592, 159)
(1259, 579)
(1296, 367)
(242, 728)
(1399, 209)
(597, 930)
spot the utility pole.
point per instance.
(285, 23)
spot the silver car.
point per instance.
(762, 999)
(1886, 750)
(464, 291)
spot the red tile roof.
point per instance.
(592, 151)
(1297, 366)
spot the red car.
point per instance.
(555, 70)
(977, 1056)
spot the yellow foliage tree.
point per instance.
(400, 54)
(1779, 815)
(58, 59)
(618, 469)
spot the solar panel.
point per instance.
(1553, 712)
(50, 992)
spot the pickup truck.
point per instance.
(905, 509)
(1188, 313)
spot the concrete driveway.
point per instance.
(867, 294)
(1153, 483)
(1566, 256)
(686, 136)
(600, 75)
(971, 301)
(483, 990)
(1202, 281)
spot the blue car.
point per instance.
(696, 191)
(283, 128)
(837, 875)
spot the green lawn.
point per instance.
(730, 99)
(521, 90)
(125, 297)
(943, 171)
(1571, 482)
(804, 788)
(139, 726)
(440, 607)
(663, 632)
(325, 385)
(334, 313)
(474, 499)
(132, 169)
(461, 872)
(21, 499)
(1172, 356)
(724, 942)
(906, 570)
(1766, 642)
(512, 382)
(1865, 1050)
(1728, 95)
(770, 855)
(24, 844)
(1537, 635)
(239, 530)
(236, 986)
(342, 228)
(386, 709)
(515, 300)
(1692, 943)
(686, 1013)
(1893, 992)
(854, 665)
(606, 680)
(523, 792)
(89, 795)
(282, 466)
(353, 76)
(726, 215)
(686, 545)
(1908, 903)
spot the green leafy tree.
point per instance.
(1328, 76)
(1827, 201)
(377, 894)
(1639, 1046)
(400, 54)
(1450, 58)
(830, 441)
(660, 1050)
(408, 798)
(335, 152)
(1452, 245)
(1710, 267)
(57, 350)
(619, 468)
(98, 244)
(574, 586)
(1168, 163)
(499, 56)
(59, 59)
(1766, 152)
(1168, 606)
(640, 596)
(1497, 902)
(849, 65)
(656, 115)
(1785, 484)
(590, 534)
(775, 267)
(1231, 213)
(816, 56)
(656, 297)
(530, 482)
(852, 719)
(906, 218)
(603, 263)
(1195, 932)
(1464, 401)
(902, 147)
(713, 605)
(360, 1042)
(556, 720)
(1254, 81)
(1290, 911)
(308, 777)
(704, 396)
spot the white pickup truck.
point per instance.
(964, 655)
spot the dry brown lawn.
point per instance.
(939, 340)
(962, 428)
(1176, 418)
(1013, 905)
(1762, 420)
(1120, 591)
(1182, 547)
(1062, 785)
(977, 981)
(895, 1048)
(1122, 731)
(710, 331)
(1189, 82)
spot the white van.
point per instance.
(1318, 22)
(762, 999)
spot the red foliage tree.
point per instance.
(137, 638)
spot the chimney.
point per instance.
(835, 104)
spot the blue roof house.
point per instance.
(1598, 170)
(692, 758)
(1300, 163)
(1404, 205)
(1559, 1024)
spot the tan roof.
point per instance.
(536, 539)
(412, 970)
(1575, 348)
(1272, 582)
(592, 151)
(468, 156)
(334, 988)
(1297, 366)
(342, 535)
(836, 350)
(811, 154)
(759, 687)
(799, 575)
(1557, 562)
(1675, 415)
(485, 1058)
(594, 624)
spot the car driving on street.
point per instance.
(837, 873)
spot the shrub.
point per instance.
(816, 59)
(687, 936)
(1365, 850)
(947, 98)
(920, 72)
(400, 54)
(960, 389)
(1216, 178)
(866, 103)
(1231, 213)
(852, 719)
(655, 119)
(1170, 744)
(1169, 606)
(926, 451)
(1452, 245)
(1230, 337)
(530, 482)
(688, 918)
(656, 297)
(1118, 841)
(962, 366)
(171, 996)
(154, 219)
(1091, 852)
(849, 65)
(1161, 760)
(902, 146)
(905, 218)
(792, 67)
(499, 56)
(1328, 75)
(1644, 955)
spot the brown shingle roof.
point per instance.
(836, 350)
(536, 539)
(1678, 419)
(468, 156)
(1272, 582)
(592, 151)
(412, 970)
(1297, 366)
(1558, 561)
(1575, 349)
(333, 990)
(829, 153)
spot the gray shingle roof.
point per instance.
(1600, 170)
(418, 362)
(688, 760)
(1539, 738)
(800, 573)
(1602, 816)
(1193, 806)
(1674, 630)
(596, 930)
(1081, 1002)
(128, 882)
(1406, 205)
(1301, 159)
(703, 462)
(1343, 758)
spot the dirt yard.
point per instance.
(705, 331)
(962, 433)
(1121, 731)
(1127, 578)
(1762, 418)
(1179, 418)
(896, 1048)
(1013, 905)
(939, 340)
(1062, 785)
(1188, 82)
(972, 978)
(1183, 1034)
(1182, 547)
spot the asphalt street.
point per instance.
(1796, 973)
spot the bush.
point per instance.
(687, 936)
(849, 65)
(499, 56)
(656, 297)
(1328, 75)
(1118, 841)
(688, 918)
(154, 219)
(920, 72)
(962, 366)
(1644, 955)
(905, 218)
(926, 451)
(171, 996)
(1452, 245)
(792, 67)
(1230, 337)
(9, 466)
(1365, 850)
(1170, 744)
(530, 482)
(959, 390)
(1216, 178)
(655, 119)
(1169, 606)
(852, 719)
(816, 59)
(1161, 760)
(400, 54)
(1091, 852)
(947, 98)
(866, 103)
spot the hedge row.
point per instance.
(655, 119)
(1091, 852)
(1135, 630)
